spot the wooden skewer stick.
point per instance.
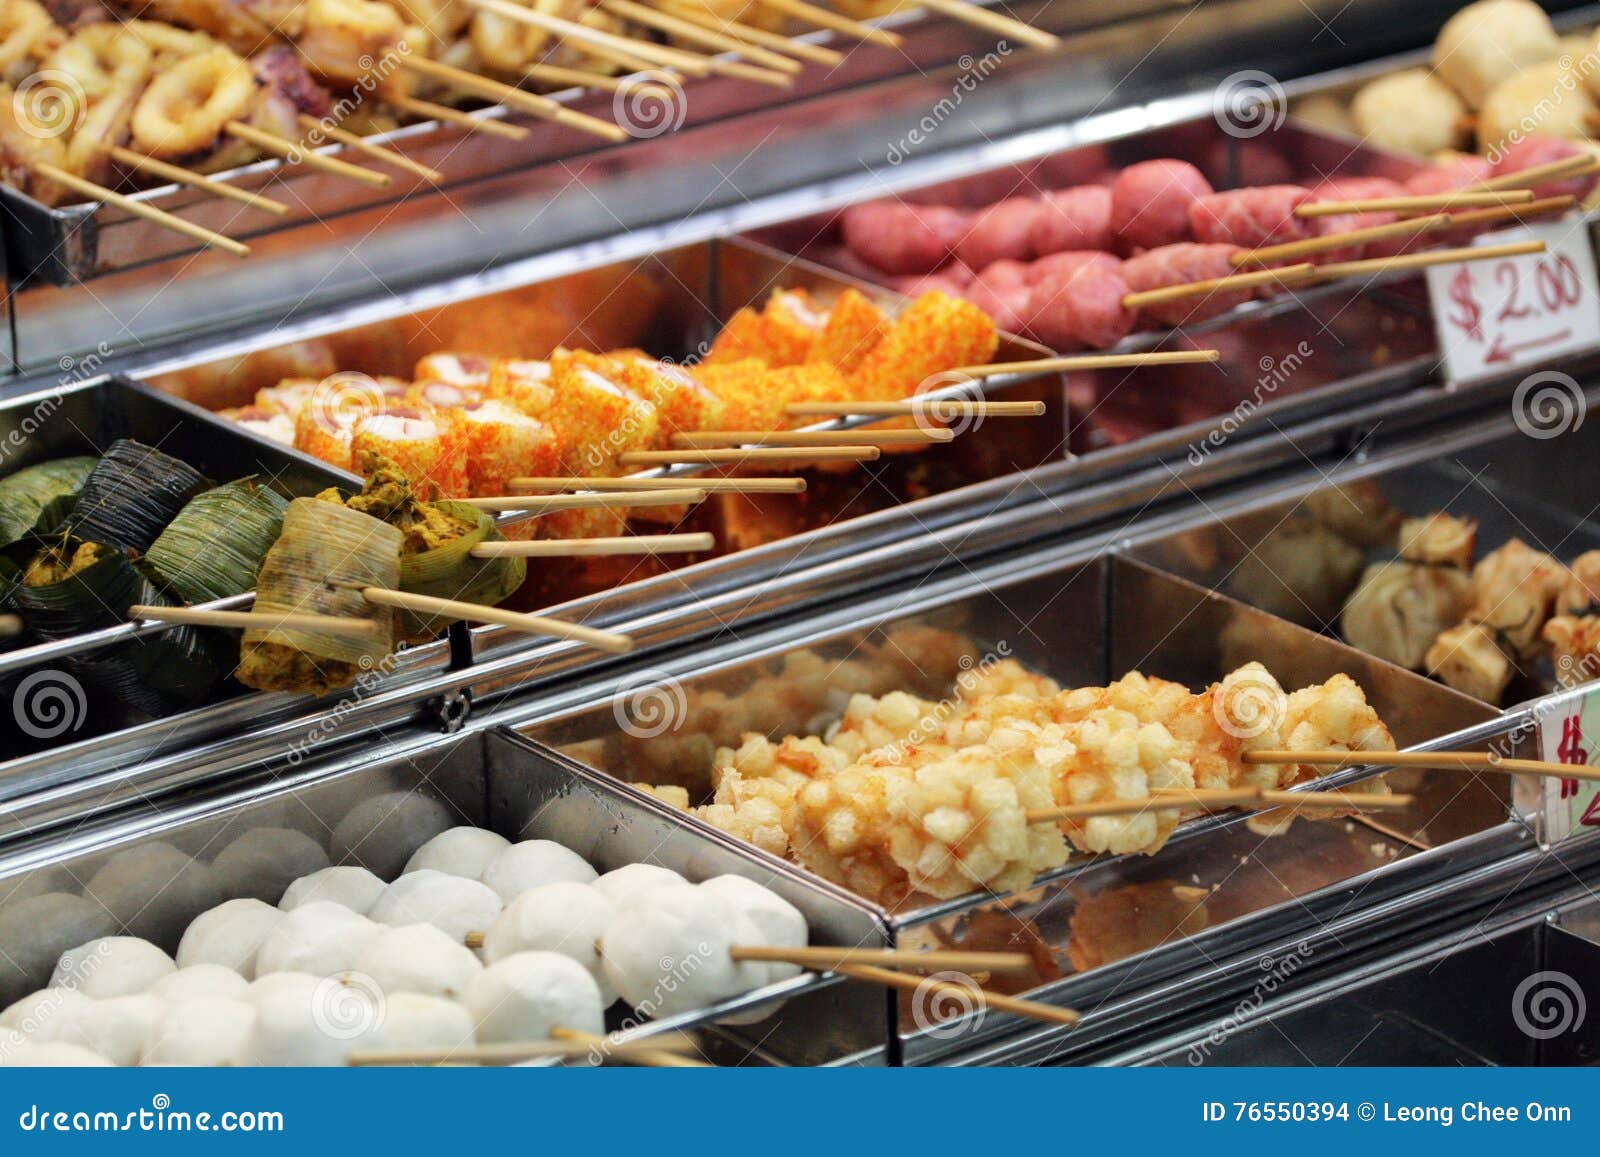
(735, 456)
(258, 620)
(1355, 799)
(1543, 205)
(1435, 760)
(528, 102)
(1375, 265)
(708, 439)
(611, 501)
(995, 22)
(997, 1001)
(462, 120)
(1416, 203)
(636, 51)
(182, 176)
(696, 34)
(638, 1054)
(948, 409)
(580, 78)
(607, 641)
(1075, 362)
(502, 1054)
(1208, 797)
(356, 141)
(298, 154)
(630, 63)
(596, 547)
(825, 959)
(1285, 275)
(1294, 250)
(825, 18)
(815, 53)
(139, 209)
(1576, 165)
(709, 485)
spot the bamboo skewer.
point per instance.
(1416, 203)
(1435, 760)
(709, 485)
(299, 154)
(579, 78)
(462, 120)
(635, 51)
(1573, 166)
(1294, 250)
(139, 209)
(638, 1054)
(1284, 275)
(826, 959)
(618, 499)
(735, 456)
(944, 409)
(825, 18)
(1515, 212)
(997, 1001)
(596, 547)
(815, 53)
(631, 63)
(356, 141)
(696, 34)
(182, 176)
(530, 103)
(325, 624)
(607, 641)
(1073, 362)
(1375, 265)
(1000, 25)
(711, 439)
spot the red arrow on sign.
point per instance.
(1503, 351)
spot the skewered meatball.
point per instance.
(419, 958)
(898, 238)
(290, 1030)
(412, 1020)
(207, 1031)
(381, 833)
(116, 1028)
(1546, 98)
(1002, 230)
(355, 888)
(198, 980)
(1411, 111)
(1078, 218)
(780, 923)
(459, 852)
(1080, 309)
(1541, 150)
(112, 966)
(681, 934)
(38, 1016)
(320, 938)
(532, 864)
(521, 998)
(1150, 203)
(230, 935)
(1484, 43)
(565, 917)
(264, 861)
(451, 904)
(620, 884)
(1251, 218)
(1182, 264)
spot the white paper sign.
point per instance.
(1570, 733)
(1493, 316)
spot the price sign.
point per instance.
(1569, 732)
(1493, 316)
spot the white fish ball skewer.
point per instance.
(452, 904)
(533, 864)
(412, 1020)
(230, 935)
(320, 938)
(199, 980)
(419, 958)
(671, 954)
(523, 997)
(38, 1016)
(116, 1029)
(564, 917)
(112, 966)
(633, 879)
(459, 852)
(204, 1031)
(356, 888)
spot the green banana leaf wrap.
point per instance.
(216, 544)
(131, 495)
(36, 499)
(88, 587)
(322, 544)
(448, 571)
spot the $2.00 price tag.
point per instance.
(1569, 732)
(1495, 315)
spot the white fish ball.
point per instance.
(381, 833)
(230, 935)
(414, 1021)
(419, 958)
(264, 861)
(452, 904)
(38, 1015)
(532, 864)
(35, 931)
(564, 917)
(459, 852)
(320, 938)
(671, 954)
(521, 998)
(116, 1028)
(780, 923)
(301, 984)
(635, 879)
(204, 1031)
(153, 890)
(356, 888)
(52, 1055)
(199, 980)
(112, 966)
(290, 1030)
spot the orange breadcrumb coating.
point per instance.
(684, 404)
(854, 327)
(754, 394)
(422, 443)
(936, 332)
(499, 443)
(525, 385)
(598, 417)
(782, 334)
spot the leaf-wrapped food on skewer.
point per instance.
(71, 588)
(36, 499)
(323, 547)
(131, 495)
(215, 546)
